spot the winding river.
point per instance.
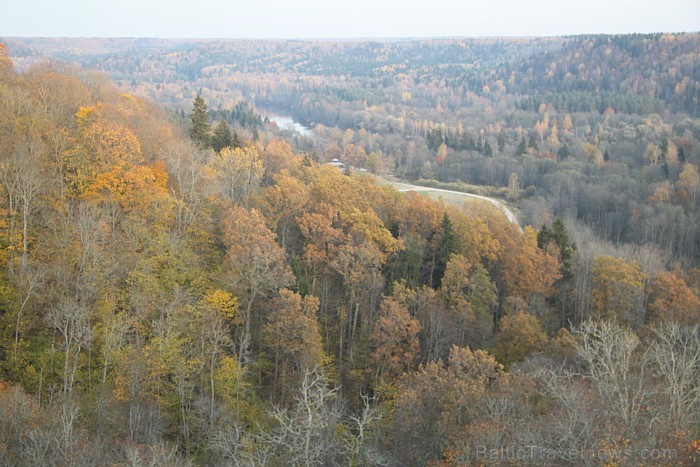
(285, 121)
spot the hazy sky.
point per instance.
(346, 19)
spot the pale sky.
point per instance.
(346, 19)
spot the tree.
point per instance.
(278, 156)
(441, 156)
(394, 340)
(617, 290)
(689, 179)
(6, 66)
(564, 152)
(608, 352)
(675, 357)
(672, 154)
(518, 336)
(594, 154)
(553, 136)
(238, 172)
(532, 143)
(23, 182)
(28, 283)
(222, 137)
(559, 237)
(255, 265)
(292, 333)
(455, 290)
(191, 183)
(482, 298)
(70, 319)
(199, 117)
(439, 401)
(527, 271)
(447, 244)
(306, 434)
(513, 187)
(219, 311)
(652, 154)
(501, 140)
(670, 298)
(106, 149)
(284, 202)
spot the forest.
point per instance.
(184, 283)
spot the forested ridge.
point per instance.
(190, 288)
(594, 129)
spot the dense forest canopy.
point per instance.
(579, 120)
(194, 286)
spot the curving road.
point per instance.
(400, 186)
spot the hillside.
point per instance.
(593, 129)
(173, 295)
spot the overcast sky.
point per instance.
(342, 19)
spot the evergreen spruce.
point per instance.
(564, 152)
(532, 143)
(447, 245)
(566, 248)
(501, 141)
(200, 129)
(222, 137)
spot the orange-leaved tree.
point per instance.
(292, 334)
(394, 341)
(255, 265)
(670, 298)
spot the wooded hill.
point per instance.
(596, 130)
(165, 302)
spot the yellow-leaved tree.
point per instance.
(292, 335)
(255, 266)
(617, 290)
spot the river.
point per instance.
(285, 121)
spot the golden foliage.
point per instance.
(671, 298)
(617, 286)
(395, 341)
(518, 336)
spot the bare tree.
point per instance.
(23, 182)
(306, 434)
(359, 449)
(613, 366)
(28, 285)
(675, 357)
(190, 181)
(215, 338)
(71, 320)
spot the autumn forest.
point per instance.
(184, 281)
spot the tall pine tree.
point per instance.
(447, 244)
(200, 129)
(222, 137)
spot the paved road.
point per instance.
(400, 186)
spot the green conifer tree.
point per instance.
(447, 244)
(222, 137)
(199, 117)
(563, 152)
(532, 143)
